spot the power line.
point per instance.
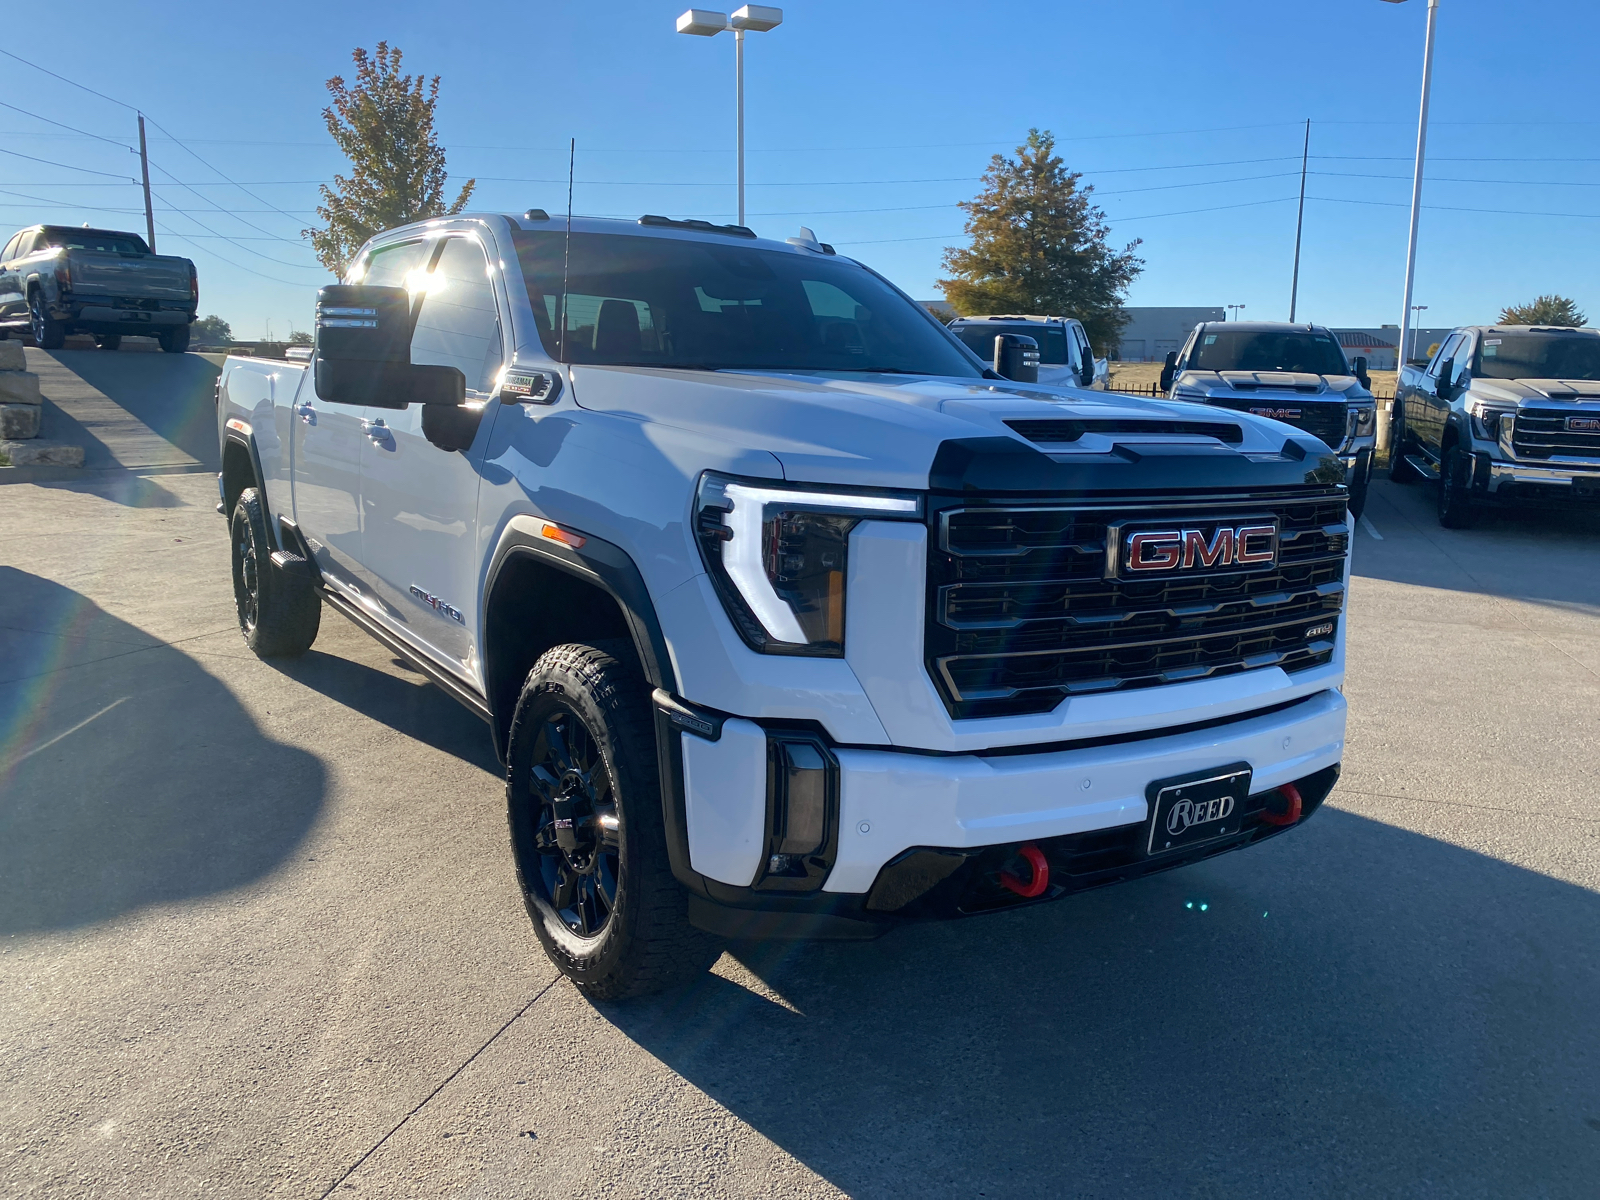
(239, 266)
(197, 158)
(59, 125)
(1504, 212)
(1145, 217)
(1454, 179)
(64, 79)
(65, 166)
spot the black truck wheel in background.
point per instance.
(1456, 507)
(174, 340)
(108, 341)
(1359, 486)
(48, 333)
(279, 612)
(1399, 469)
(583, 803)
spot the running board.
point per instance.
(456, 689)
(1420, 464)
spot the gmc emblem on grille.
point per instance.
(1583, 424)
(1277, 414)
(1203, 546)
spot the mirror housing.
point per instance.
(363, 352)
(1358, 368)
(1016, 357)
(1169, 370)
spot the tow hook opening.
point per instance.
(1291, 807)
(1038, 871)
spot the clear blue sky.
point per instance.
(868, 122)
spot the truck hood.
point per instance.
(886, 430)
(1243, 385)
(1516, 391)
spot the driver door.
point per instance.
(420, 502)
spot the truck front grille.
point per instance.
(1021, 612)
(1540, 434)
(1324, 419)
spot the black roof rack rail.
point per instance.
(702, 226)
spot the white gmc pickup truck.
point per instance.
(788, 617)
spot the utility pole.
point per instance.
(738, 58)
(1299, 222)
(144, 169)
(1416, 206)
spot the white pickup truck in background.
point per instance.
(1065, 357)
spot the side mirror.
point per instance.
(1358, 368)
(1169, 369)
(1016, 357)
(363, 352)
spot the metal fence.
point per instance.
(1154, 391)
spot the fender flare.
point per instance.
(598, 562)
(247, 439)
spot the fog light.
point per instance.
(802, 812)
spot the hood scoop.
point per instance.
(1059, 432)
(1564, 389)
(1277, 381)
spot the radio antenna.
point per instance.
(566, 256)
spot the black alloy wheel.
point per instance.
(1456, 508)
(108, 341)
(1399, 470)
(576, 827)
(583, 803)
(246, 576)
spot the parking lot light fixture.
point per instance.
(752, 18)
(1416, 205)
(1235, 308)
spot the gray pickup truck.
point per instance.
(1296, 374)
(1501, 414)
(56, 280)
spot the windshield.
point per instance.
(93, 239)
(1052, 339)
(1268, 350)
(665, 302)
(1539, 356)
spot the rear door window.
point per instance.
(388, 266)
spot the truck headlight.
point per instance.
(1486, 420)
(777, 556)
(1364, 421)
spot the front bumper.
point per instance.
(1541, 481)
(922, 835)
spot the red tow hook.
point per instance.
(1041, 873)
(1292, 795)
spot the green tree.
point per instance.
(384, 125)
(1546, 310)
(1039, 247)
(211, 331)
(299, 337)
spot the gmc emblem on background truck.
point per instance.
(1583, 424)
(1206, 545)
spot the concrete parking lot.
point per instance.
(259, 935)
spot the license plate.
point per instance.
(135, 316)
(1189, 810)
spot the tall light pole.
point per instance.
(1299, 223)
(1236, 308)
(1416, 308)
(756, 18)
(1416, 200)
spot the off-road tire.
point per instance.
(1357, 502)
(279, 613)
(174, 340)
(1399, 470)
(108, 341)
(646, 942)
(1456, 507)
(48, 333)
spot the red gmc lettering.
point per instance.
(1195, 549)
(1265, 538)
(1155, 550)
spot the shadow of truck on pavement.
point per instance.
(129, 776)
(1357, 1010)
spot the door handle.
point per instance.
(306, 413)
(377, 430)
